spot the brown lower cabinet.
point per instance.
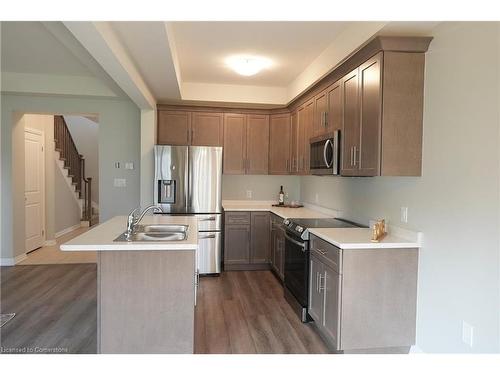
(363, 300)
(277, 257)
(246, 240)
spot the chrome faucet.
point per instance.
(134, 217)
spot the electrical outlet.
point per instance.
(467, 333)
(249, 194)
(120, 182)
(404, 214)
(129, 165)
(316, 198)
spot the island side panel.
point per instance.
(379, 294)
(146, 301)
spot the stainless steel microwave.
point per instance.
(325, 154)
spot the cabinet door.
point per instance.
(279, 144)
(257, 158)
(315, 294)
(350, 127)
(260, 237)
(206, 129)
(234, 143)
(237, 244)
(334, 120)
(331, 304)
(371, 108)
(305, 129)
(294, 134)
(300, 120)
(320, 120)
(174, 128)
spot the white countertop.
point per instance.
(360, 238)
(100, 238)
(344, 238)
(284, 212)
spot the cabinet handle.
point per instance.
(321, 287)
(354, 153)
(286, 166)
(352, 148)
(192, 135)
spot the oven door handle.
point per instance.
(327, 143)
(300, 244)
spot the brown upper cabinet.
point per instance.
(246, 143)
(174, 128)
(206, 129)
(382, 104)
(328, 110)
(279, 144)
(304, 133)
(184, 128)
(235, 126)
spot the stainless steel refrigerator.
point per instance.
(188, 181)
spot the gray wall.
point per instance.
(85, 133)
(456, 201)
(119, 140)
(263, 187)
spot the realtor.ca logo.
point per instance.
(32, 350)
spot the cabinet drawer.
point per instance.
(236, 217)
(327, 253)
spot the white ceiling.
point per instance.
(203, 46)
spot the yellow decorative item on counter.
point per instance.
(378, 232)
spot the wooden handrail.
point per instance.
(74, 163)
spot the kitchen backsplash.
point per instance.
(261, 187)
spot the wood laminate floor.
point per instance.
(55, 306)
(238, 312)
(244, 312)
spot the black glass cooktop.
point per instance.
(324, 223)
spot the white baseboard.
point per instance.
(12, 261)
(50, 243)
(416, 350)
(67, 230)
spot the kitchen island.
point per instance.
(146, 290)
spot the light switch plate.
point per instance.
(249, 194)
(404, 214)
(467, 333)
(120, 182)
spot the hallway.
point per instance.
(53, 255)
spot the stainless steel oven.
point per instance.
(325, 154)
(297, 273)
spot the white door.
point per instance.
(34, 188)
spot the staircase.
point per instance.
(73, 166)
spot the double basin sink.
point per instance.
(156, 232)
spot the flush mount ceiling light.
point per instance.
(248, 65)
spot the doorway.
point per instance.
(56, 184)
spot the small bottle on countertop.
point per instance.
(281, 199)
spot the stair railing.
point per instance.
(74, 163)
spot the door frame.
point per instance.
(44, 229)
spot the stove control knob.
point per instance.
(286, 222)
(299, 229)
